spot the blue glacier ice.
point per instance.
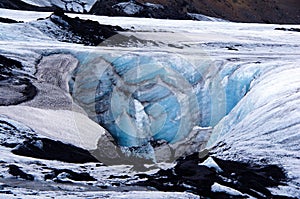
(143, 96)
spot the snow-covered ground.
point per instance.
(242, 80)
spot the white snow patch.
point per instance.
(21, 15)
(71, 127)
(221, 188)
(154, 5)
(201, 17)
(210, 163)
(40, 3)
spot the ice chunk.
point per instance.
(210, 163)
(216, 187)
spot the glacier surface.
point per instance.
(240, 80)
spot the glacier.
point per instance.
(235, 84)
(141, 96)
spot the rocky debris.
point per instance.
(289, 29)
(6, 20)
(5, 192)
(52, 82)
(15, 85)
(67, 176)
(202, 175)
(232, 48)
(10, 135)
(120, 40)
(8, 67)
(16, 171)
(136, 9)
(78, 6)
(45, 148)
(109, 153)
(75, 30)
(16, 90)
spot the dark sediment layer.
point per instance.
(68, 175)
(15, 86)
(45, 148)
(289, 29)
(75, 30)
(20, 5)
(110, 8)
(6, 20)
(190, 175)
(17, 172)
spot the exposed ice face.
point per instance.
(139, 97)
(143, 96)
(272, 96)
(264, 126)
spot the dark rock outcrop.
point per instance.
(136, 9)
(7, 67)
(289, 29)
(20, 5)
(65, 175)
(6, 20)
(109, 153)
(261, 11)
(15, 85)
(16, 171)
(45, 148)
(191, 174)
(75, 30)
(10, 136)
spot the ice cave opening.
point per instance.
(143, 96)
